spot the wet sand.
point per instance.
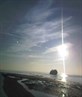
(46, 85)
(13, 89)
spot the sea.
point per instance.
(73, 78)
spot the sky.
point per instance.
(30, 32)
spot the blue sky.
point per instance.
(30, 32)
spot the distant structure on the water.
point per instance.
(54, 72)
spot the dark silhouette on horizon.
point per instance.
(53, 72)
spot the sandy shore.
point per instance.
(13, 88)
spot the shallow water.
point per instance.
(38, 85)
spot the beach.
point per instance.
(20, 85)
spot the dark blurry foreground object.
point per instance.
(54, 72)
(13, 89)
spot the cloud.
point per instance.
(38, 33)
(54, 49)
(40, 12)
(38, 29)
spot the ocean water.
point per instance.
(72, 78)
(75, 79)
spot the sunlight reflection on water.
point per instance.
(64, 76)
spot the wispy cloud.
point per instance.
(40, 27)
(54, 49)
(36, 34)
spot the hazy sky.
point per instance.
(30, 32)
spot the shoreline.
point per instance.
(25, 85)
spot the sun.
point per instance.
(62, 50)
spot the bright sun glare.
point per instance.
(62, 50)
(64, 77)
